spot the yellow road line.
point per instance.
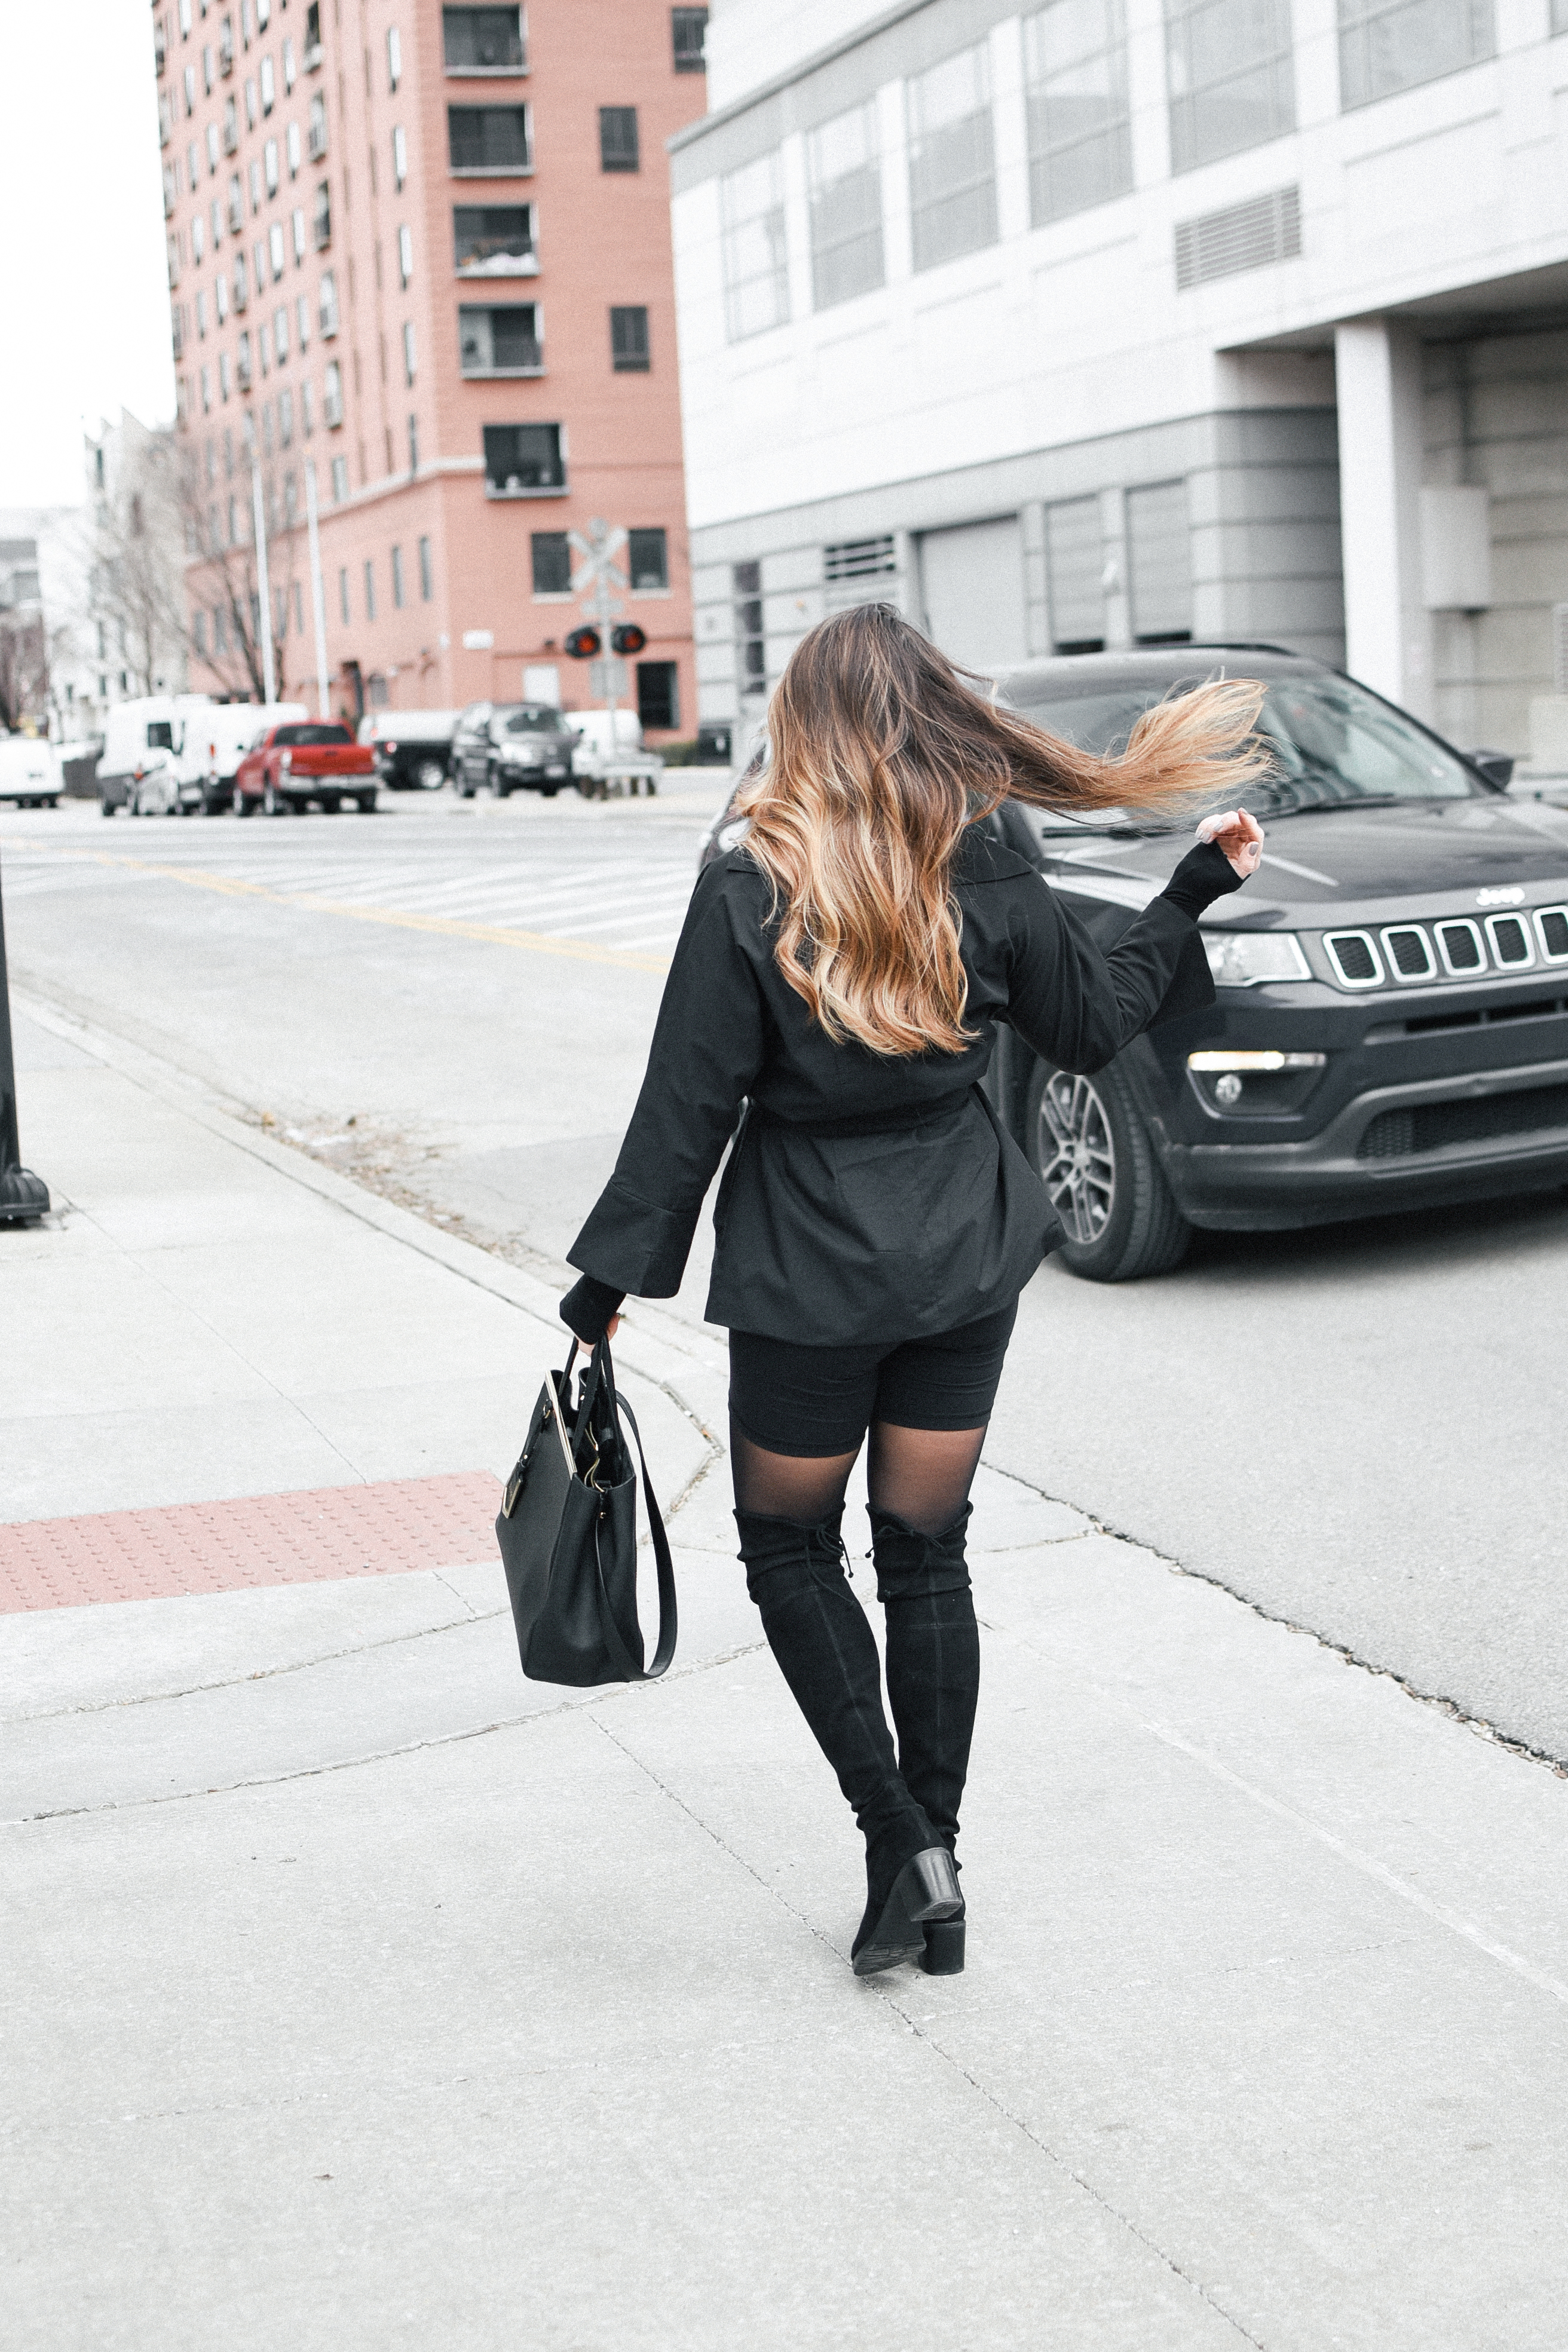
(498, 935)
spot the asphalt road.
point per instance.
(1356, 1428)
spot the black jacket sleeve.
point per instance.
(1077, 1004)
(708, 1048)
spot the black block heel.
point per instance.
(943, 1953)
(925, 1889)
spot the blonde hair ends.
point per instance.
(881, 754)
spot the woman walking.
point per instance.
(835, 990)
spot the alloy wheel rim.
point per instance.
(1075, 1155)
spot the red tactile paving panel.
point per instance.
(299, 1538)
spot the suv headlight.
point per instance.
(1248, 959)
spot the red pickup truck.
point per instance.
(304, 760)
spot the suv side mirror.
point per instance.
(1497, 767)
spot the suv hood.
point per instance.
(1336, 866)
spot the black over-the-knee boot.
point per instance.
(933, 1682)
(817, 1631)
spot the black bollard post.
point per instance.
(23, 1196)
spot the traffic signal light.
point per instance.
(584, 644)
(627, 638)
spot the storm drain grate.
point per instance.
(1433, 1127)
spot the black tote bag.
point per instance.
(568, 1534)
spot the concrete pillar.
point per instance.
(1388, 637)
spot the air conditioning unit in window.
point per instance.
(318, 139)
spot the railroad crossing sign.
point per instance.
(594, 576)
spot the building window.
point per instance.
(297, 222)
(953, 169)
(343, 596)
(405, 254)
(426, 573)
(1391, 45)
(1075, 567)
(628, 340)
(302, 320)
(393, 57)
(280, 337)
(399, 155)
(332, 393)
(409, 352)
(751, 649)
(414, 444)
(552, 552)
(313, 35)
(329, 302)
(687, 29)
(490, 139)
(1232, 80)
(199, 632)
(493, 240)
(322, 224)
(339, 479)
(275, 249)
(307, 409)
(293, 149)
(648, 560)
(658, 694)
(1159, 564)
(523, 460)
(369, 589)
(843, 194)
(398, 577)
(270, 166)
(618, 139)
(286, 426)
(756, 270)
(316, 135)
(1081, 136)
(500, 342)
(269, 86)
(483, 40)
(288, 68)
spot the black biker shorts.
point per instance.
(811, 1401)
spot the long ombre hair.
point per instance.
(881, 752)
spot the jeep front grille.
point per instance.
(1432, 1127)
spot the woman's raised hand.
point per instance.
(1238, 835)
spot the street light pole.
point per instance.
(23, 1196)
(318, 592)
(269, 677)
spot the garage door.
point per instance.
(971, 584)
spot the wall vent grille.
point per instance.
(1243, 236)
(859, 559)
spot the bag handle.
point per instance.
(665, 1650)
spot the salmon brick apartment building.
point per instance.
(423, 252)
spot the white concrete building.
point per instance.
(1128, 321)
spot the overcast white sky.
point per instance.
(84, 297)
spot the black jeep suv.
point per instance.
(1392, 1023)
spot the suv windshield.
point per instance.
(305, 735)
(1335, 744)
(528, 719)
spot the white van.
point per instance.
(609, 754)
(218, 739)
(140, 768)
(29, 771)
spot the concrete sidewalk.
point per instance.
(361, 1994)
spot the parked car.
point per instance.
(29, 771)
(1391, 1029)
(218, 739)
(519, 747)
(412, 748)
(143, 768)
(610, 752)
(471, 749)
(304, 760)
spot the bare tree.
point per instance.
(23, 669)
(135, 582)
(224, 578)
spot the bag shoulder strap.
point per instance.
(665, 1568)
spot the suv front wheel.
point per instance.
(1093, 1151)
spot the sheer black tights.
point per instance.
(921, 1475)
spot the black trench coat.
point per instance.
(867, 1199)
